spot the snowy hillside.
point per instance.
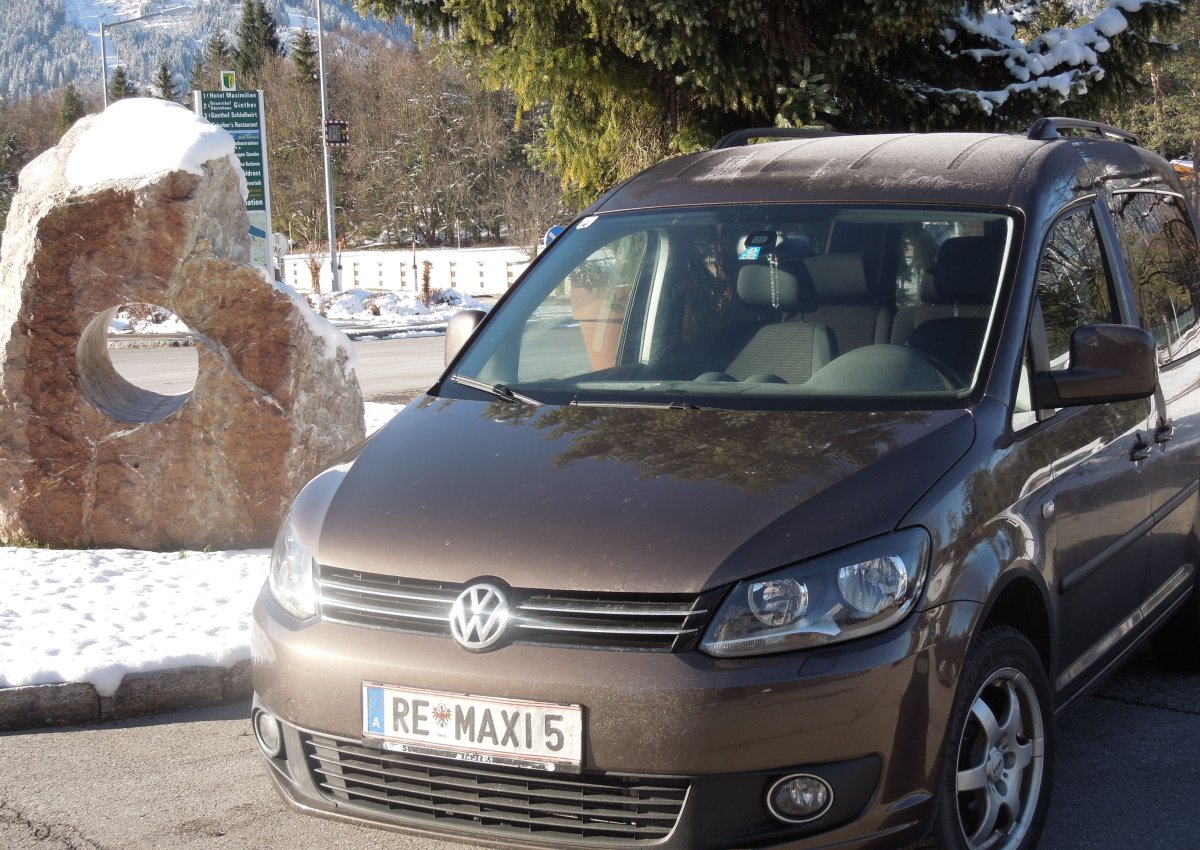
(46, 43)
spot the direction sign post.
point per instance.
(241, 113)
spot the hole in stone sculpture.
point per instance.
(141, 382)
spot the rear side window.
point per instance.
(1157, 239)
(1073, 283)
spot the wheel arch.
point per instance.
(1019, 601)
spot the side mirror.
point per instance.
(1108, 363)
(459, 330)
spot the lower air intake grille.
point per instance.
(504, 802)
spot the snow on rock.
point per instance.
(141, 136)
(337, 344)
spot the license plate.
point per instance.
(519, 733)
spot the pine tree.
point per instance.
(119, 85)
(249, 57)
(304, 57)
(11, 163)
(70, 110)
(164, 83)
(258, 39)
(630, 81)
(198, 74)
(268, 30)
(218, 56)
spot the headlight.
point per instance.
(848, 594)
(291, 576)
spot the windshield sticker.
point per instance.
(586, 223)
(750, 253)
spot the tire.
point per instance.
(1177, 644)
(994, 788)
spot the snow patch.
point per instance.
(93, 616)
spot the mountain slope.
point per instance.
(46, 43)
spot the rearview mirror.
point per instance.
(1108, 363)
(459, 330)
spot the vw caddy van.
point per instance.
(785, 501)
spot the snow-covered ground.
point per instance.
(95, 615)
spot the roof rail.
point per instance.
(1045, 129)
(742, 137)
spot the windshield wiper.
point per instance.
(500, 391)
(657, 405)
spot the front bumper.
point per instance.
(707, 736)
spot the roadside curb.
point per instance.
(156, 692)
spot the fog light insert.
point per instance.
(268, 734)
(799, 798)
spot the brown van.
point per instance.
(784, 502)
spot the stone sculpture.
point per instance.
(87, 458)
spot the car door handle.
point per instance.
(1164, 432)
(1141, 449)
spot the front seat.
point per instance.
(950, 325)
(771, 348)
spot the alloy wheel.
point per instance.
(1000, 762)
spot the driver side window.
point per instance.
(1073, 289)
(1073, 283)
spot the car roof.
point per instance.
(977, 169)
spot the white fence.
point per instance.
(475, 271)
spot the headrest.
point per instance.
(785, 288)
(967, 270)
(839, 277)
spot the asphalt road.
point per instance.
(1128, 777)
(393, 370)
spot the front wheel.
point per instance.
(995, 781)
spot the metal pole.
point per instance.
(329, 213)
(103, 68)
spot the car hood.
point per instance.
(618, 499)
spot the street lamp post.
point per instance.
(104, 46)
(329, 211)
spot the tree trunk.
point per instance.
(1160, 108)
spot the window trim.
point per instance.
(1036, 341)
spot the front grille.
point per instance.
(662, 622)
(609, 810)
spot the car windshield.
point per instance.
(751, 307)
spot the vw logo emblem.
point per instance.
(479, 617)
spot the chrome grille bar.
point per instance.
(656, 622)
(601, 630)
(332, 586)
